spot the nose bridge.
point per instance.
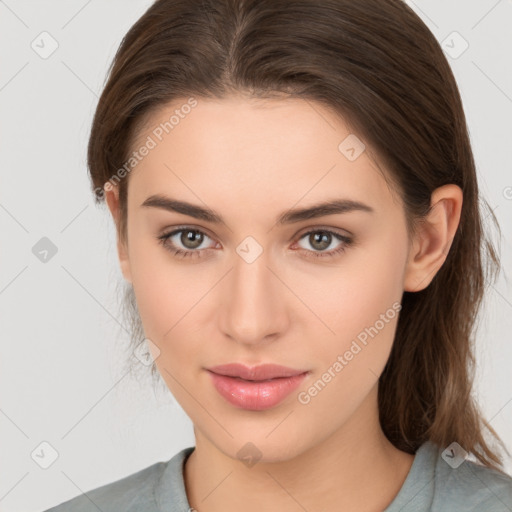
(251, 311)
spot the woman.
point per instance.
(297, 211)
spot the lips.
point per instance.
(261, 372)
(256, 388)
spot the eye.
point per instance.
(320, 239)
(192, 239)
(189, 238)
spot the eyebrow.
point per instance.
(335, 206)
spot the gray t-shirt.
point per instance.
(431, 485)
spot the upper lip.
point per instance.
(260, 372)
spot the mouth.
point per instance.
(256, 373)
(257, 388)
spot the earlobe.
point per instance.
(433, 241)
(112, 200)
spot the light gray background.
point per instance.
(61, 373)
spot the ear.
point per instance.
(112, 200)
(432, 243)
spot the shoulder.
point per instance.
(471, 487)
(135, 492)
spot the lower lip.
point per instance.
(255, 395)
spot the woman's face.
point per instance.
(254, 290)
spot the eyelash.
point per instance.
(179, 253)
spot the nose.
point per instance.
(253, 303)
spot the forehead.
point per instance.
(253, 152)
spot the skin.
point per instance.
(251, 160)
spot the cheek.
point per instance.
(166, 302)
(162, 288)
(366, 285)
(361, 306)
(170, 298)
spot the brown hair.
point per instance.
(375, 63)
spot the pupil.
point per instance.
(191, 236)
(323, 238)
